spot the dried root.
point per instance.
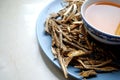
(71, 42)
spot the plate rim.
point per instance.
(39, 41)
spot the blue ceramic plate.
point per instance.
(45, 43)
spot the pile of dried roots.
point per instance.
(72, 45)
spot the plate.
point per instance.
(45, 43)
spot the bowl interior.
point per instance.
(86, 4)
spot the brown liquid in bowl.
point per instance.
(105, 16)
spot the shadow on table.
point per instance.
(114, 49)
(55, 70)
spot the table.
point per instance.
(21, 58)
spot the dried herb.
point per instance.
(71, 43)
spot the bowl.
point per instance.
(96, 33)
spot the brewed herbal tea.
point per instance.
(105, 16)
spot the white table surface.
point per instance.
(21, 58)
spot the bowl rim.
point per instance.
(83, 16)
